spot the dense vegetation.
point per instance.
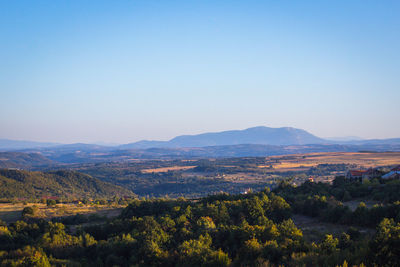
(23, 160)
(208, 176)
(325, 201)
(252, 229)
(193, 178)
(63, 184)
(222, 229)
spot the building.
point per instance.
(361, 175)
(393, 174)
(372, 173)
(247, 191)
(396, 169)
(356, 175)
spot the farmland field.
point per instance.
(304, 161)
(166, 169)
(200, 177)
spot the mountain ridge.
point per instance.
(261, 135)
(23, 160)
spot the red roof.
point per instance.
(357, 172)
(50, 197)
(396, 169)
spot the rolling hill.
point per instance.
(63, 184)
(21, 160)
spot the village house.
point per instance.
(247, 191)
(356, 175)
(393, 174)
(371, 173)
(361, 175)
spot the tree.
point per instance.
(386, 244)
(29, 211)
(37, 259)
(329, 244)
(251, 250)
(205, 223)
(51, 202)
(219, 259)
(195, 252)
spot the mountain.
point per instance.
(23, 160)
(257, 135)
(7, 145)
(256, 141)
(63, 184)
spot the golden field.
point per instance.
(301, 161)
(166, 169)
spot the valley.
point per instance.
(231, 204)
(194, 178)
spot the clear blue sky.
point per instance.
(121, 71)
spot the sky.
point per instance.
(123, 71)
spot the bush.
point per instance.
(29, 211)
(51, 202)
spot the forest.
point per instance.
(20, 184)
(252, 229)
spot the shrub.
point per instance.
(29, 211)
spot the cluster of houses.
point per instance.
(371, 173)
(393, 174)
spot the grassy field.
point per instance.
(166, 169)
(297, 163)
(304, 161)
(12, 212)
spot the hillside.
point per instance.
(63, 184)
(312, 224)
(23, 160)
(257, 135)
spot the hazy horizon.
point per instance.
(120, 72)
(100, 142)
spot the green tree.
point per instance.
(329, 244)
(51, 202)
(205, 223)
(29, 211)
(386, 244)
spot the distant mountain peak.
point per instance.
(261, 135)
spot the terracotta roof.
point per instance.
(50, 197)
(357, 172)
(396, 169)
